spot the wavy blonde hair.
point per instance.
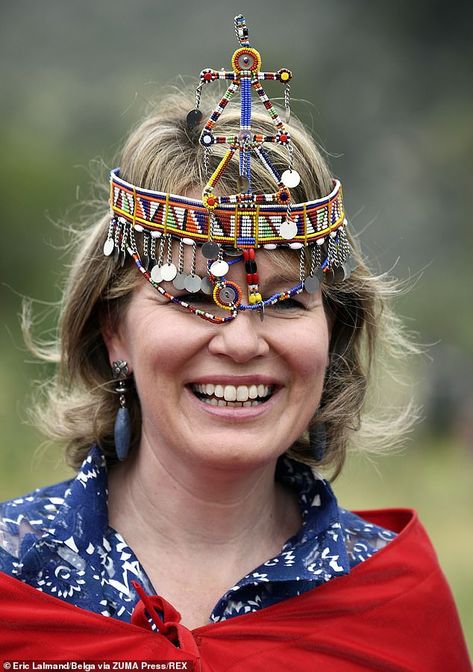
(78, 406)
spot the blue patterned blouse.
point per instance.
(57, 539)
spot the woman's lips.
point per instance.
(220, 395)
(242, 401)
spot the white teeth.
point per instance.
(242, 393)
(230, 393)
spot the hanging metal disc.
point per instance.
(227, 295)
(169, 272)
(312, 284)
(193, 283)
(108, 247)
(156, 275)
(219, 268)
(233, 251)
(290, 178)
(210, 250)
(193, 118)
(206, 286)
(288, 229)
(179, 281)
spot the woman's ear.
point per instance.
(114, 338)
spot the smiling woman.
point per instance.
(214, 352)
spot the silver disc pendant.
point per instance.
(312, 284)
(108, 247)
(156, 275)
(169, 272)
(207, 287)
(179, 281)
(288, 230)
(219, 268)
(338, 275)
(227, 295)
(210, 250)
(193, 283)
(193, 119)
(290, 178)
(233, 252)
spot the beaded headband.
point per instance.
(229, 229)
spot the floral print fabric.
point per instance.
(57, 539)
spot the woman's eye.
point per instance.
(289, 304)
(198, 297)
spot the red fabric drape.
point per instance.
(393, 612)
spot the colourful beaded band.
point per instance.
(238, 224)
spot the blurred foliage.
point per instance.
(386, 88)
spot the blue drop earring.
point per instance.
(318, 441)
(122, 431)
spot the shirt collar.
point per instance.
(316, 552)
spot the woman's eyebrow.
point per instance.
(279, 282)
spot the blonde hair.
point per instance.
(162, 154)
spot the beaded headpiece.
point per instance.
(229, 229)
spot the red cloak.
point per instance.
(394, 612)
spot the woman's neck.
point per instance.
(197, 529)
(200, 509)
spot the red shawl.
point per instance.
(394, 612)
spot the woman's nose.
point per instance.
(242, 339)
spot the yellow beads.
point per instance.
(255, 298)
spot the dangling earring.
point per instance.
(122, 431)
(317, 441)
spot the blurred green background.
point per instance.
(386, 88)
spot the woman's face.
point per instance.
(228, 396)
